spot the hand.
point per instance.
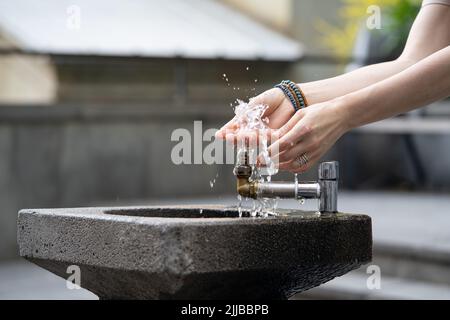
(279, 111)
(311, 131)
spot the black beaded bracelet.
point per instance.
(297, 92)
(293, 93)
(289, 95)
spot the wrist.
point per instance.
(308, 92)
(340, 106)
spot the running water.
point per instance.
(250, 120)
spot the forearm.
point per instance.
(328, 89)
(429, 34)
(423, 83)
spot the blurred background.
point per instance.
(91, 91)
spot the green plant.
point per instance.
(397, 17)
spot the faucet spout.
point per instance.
(288, 190)
(325, 189)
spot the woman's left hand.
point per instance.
(311, 132)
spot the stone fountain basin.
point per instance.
(190, 252)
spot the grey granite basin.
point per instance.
(194, 252)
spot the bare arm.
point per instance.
(312, 131)
(430, 33)
(425, 82)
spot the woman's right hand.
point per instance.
(278, 113)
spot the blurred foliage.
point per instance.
(397, 17)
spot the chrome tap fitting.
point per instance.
(328, 180)
(325, 189)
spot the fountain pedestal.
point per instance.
(194, 252)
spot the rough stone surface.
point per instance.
(194, 252)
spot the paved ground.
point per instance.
(23, 280)
(354, 286)
(421, 221)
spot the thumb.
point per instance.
(228, 128)
(271, 98)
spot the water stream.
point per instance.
(252, 137)
(253, 129)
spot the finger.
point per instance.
(285, 166)
(272, 98)
(230, 138)
(291, 122)
(248, 139)
(230, 127)
(294, 163)
(270, 135)
(290, 139)
(306, 167)
(297, 167)
(294, 152)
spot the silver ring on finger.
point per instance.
(302, 160)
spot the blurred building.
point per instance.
(91, 92)
(172, 49)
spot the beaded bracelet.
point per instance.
(289, 95)
(298, 92)
(293, 93)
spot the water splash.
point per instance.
(239, 205)
(250, 118)
(225, 77)
(213, 181)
